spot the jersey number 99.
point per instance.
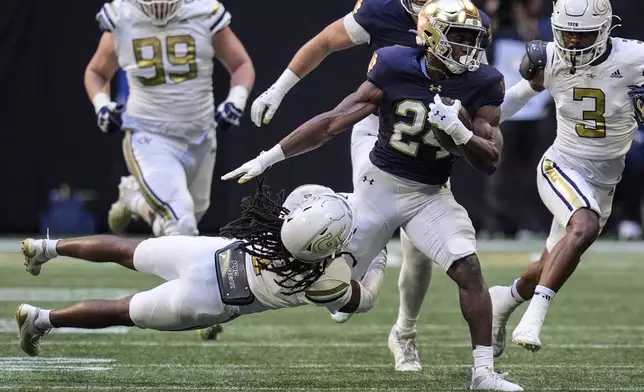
(156, 60)
(418, 111)
(597, 115)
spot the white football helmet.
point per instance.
(581, 17)
(159, 11)
(319, 228)
(303, 192)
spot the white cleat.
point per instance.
(34, 252)
(527, 336)
(30, 335)
(502, 307)
(341, 317)
(487, 379)
(403, 347)
(120, 214)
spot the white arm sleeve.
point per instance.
(356, 32)
(371, 284)
(516, 98)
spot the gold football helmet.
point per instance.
(457, 18)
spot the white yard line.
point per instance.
(218, 344)
(63, 294)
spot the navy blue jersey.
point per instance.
(389, 24)
(406, 146)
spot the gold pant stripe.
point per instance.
(561, 186)
(158, 205)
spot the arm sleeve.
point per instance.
(516, 98)
(356, 32)
(219, 18)
(107, 17)
(367, 290)
(365, 14)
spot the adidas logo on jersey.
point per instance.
(616, 74)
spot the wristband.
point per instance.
(101, 100)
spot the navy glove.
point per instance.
(636, 94)
(109, 117)
(227, 115)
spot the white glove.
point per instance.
(445, 117)
(265, 106)
(257, 165)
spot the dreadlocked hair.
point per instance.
(259, 227)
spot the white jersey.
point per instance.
(595, 116)
(169, 68)
(332, 290)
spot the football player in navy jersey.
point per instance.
(406, 175)
(377, 23)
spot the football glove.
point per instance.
(109, 117)
(227, 115)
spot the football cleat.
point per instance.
(502, 307)
(403, 347)
(34, 252)
(527, 336)
(488, 379)
(30, 335)
(120, 214)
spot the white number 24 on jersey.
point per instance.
(418, 110)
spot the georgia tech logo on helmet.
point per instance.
(329, 241)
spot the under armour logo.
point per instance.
(438, 114)
(434, 88)
(366, 179)
(145, 140)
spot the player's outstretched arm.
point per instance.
(233, 56)
(365, 293)
(314, 132)
(333, 38)
(100, 71)
(531, 69)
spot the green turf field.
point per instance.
(593, 339)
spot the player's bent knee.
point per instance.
(466, 272)
(584, 226)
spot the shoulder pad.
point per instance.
(107, 17)
(332, 285)
(535, 58)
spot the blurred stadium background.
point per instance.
(59, 172)
(52, 152)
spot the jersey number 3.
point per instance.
(418, 111)
(597, 115)
(186, 59)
